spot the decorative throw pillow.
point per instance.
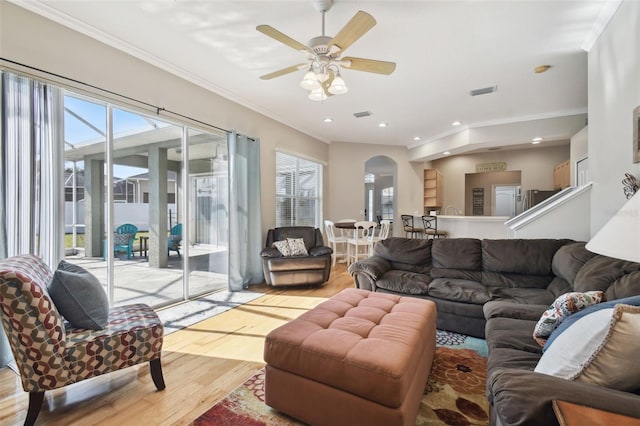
(631, 300)
(600, 348)
(283, 247)
(297, 247)
(79, 297)
(561, 308)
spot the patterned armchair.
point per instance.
(50, 355)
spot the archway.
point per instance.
(380, 188)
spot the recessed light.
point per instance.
(536, 140)
(417, 138)
(382, 125)
(328, 120)
(446, 153)
(456, 123)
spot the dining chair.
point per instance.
(385, 228)
(337, 243)
(363, 234)
(430, 224)
(409, 228)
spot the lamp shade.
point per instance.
(310, 81)
(318, 94)
(620, 237)
(338, 86)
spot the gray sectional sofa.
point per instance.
(499, 289)
(462, 274)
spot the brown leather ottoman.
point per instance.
(360, 358)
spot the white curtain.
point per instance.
(245, 227)
(32, 165)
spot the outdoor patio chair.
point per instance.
(123, 238)
(175, 238)
(51, 353)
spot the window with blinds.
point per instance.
(298, 191)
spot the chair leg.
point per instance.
(35, 403)
(156, 373)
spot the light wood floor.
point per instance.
(201, 364)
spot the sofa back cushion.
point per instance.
(406, 254)
(519, 262)
(569, 259)
(459, 258)
(617, 278)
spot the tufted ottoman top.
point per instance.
(365, 343)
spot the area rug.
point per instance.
(454, 393)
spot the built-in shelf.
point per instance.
(432, 189)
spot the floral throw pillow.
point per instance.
(561, 308)
(283, 247)
(297, 247)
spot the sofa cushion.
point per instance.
(404, 282)
(511, 333)
(409, 254)
(79, 297)
(457, 253)
(464, 291)
(609, 275)
(511, 358)
(561, 308)
(600, 348)
(508, 280)
(529, 296)
(569, 259)
(527, 257)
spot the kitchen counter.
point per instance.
(491, 227)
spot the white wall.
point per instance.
(614, 91)
(579, 149)
(346, 180)
(32, 40)
(536, 165)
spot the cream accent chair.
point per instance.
(363, 235)
(337, 243)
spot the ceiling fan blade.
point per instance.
(282, 38)
(292, 68)
(355, 28)
(368, 65)
(326, 84)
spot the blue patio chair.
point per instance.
(175, 238)
(123, 238)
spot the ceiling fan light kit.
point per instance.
(322, 77)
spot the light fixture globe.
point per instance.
(310, 81)
(338, 86)
(318, 94)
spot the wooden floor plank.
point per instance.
(202, 364)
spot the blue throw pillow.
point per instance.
(631, 300)
(79, 297)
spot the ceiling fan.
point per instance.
(324, 55)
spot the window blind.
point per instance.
(298, 191)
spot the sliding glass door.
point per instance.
(145, 201)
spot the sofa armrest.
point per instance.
(269, 252)
(366, 272)
(521, 397)
(320, 251)
(504, 309)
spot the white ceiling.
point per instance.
(443, 49)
